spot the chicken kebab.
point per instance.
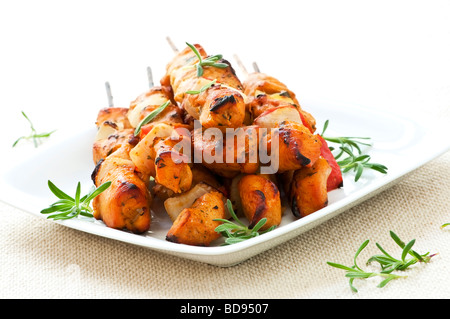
(155, 138)
(126, 204)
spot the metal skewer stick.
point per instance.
(256, 67)
(109, 94)
(174, 48)
(150, 77)
(241, 65)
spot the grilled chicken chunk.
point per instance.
(157, 155)
(228, 155)
(151, 100)
(260, 198)
(308, 191)
(196, 225)
(265, 92)
(126, 203)
(113, 131)
(296, 146)
(176, 204)
(105, 147)
(115, 116)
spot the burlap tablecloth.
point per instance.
(40, 259)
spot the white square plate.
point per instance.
(399, 143)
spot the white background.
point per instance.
(55, 56)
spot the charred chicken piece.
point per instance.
(113, 116)
(265, 92)
(230, 154)
(297, 146)
(158, 155)
(176, 204)
(308, 191)
(104, 147)
(273, 116)
(200, 175)
(260, 198)
(113, 131)
(126, 203)
(195, 225)
(151, 100)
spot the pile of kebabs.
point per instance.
(143, 167)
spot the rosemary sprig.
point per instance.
(33, 135)
(209, 61)
(387, 262)
(238, 232)
(150, 118)
(358, 164)
(203, 89)
(70, 207)
(355, 272)
(354, 161)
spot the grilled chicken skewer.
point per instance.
(126, 203)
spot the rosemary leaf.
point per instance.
(351, 148)
(36, 137)
(150, 117)
(69, 207)
(209, 61)
(203, 89)
(237, 231)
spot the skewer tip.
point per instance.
(241, 65)
(150, 77)
(109, 94)
(172, 45)
(256, 67)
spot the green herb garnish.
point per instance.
(387, 262)
(355, 161)
(445, 225)
(238, 232)
(69, 207)
(358, 164)
(209, 61)
(150, 117)
(203, 89)
(33, 135)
